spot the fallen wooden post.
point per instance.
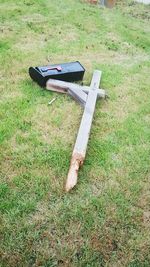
(78, 95)
(63, 87)
(87, 97)
(80, 147)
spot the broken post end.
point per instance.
(76, 162)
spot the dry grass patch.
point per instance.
(30, 43)
(35, 18)
(55, 122)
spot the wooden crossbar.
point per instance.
(63, 87)
(87, 97)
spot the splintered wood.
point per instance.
(80, 147)
(87, 97)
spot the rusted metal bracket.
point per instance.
(87, 97)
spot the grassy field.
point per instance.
(105, 221)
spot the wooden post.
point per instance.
(63, 87)
(108, 3)
(78, 95)
(80, 147)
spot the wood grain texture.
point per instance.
(63, 87)
(78, 95)
(80, 147)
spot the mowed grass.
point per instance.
(105, 221)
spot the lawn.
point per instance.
(105, 220)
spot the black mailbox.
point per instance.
(69, 72)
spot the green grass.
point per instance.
(105, 221)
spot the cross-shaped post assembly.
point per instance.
(87, 97)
